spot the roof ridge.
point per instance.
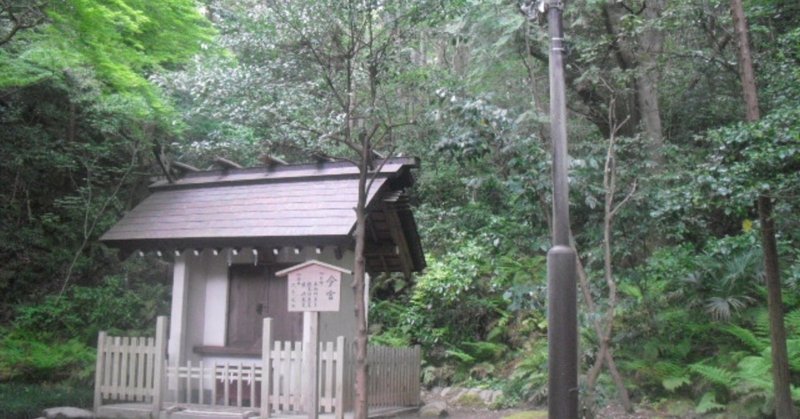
(287, 173)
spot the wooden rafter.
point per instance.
(399, 238)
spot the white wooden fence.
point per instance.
(130, 368)
(135, 370)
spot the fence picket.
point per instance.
(328, 393)
(239, 386)
(276, 383)
(214, 384)
(296, 391)
(339, 394)
(252, 381)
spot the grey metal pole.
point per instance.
(562, 319)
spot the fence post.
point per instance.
(98, 370)
(158, 365)
(266, 368)
(340, 342)
(311, 363)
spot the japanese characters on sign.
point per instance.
(314, 288)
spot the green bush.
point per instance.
(26, 359)
(83, 311)
(54, 340)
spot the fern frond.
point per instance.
(714, 374)
(461, 356)
(674, 383)
(746, 336)
(792, 322)
(793, 348)
(753, 368)
(708, 403)
(761, 326)
(667, 369)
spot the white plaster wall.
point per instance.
(215, 305)
(180, 283)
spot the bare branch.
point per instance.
(627, 198)
(22, 18)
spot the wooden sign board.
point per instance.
(314, 286)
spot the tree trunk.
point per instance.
(359, 272)
(651, 41)
(640, 57)
(784, 408)
(780, 361)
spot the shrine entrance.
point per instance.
(255, 293)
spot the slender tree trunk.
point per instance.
(784, 407)
(604, 333)
(746, 74)
(359, 282)
(605, 355)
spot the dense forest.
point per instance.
(669, 178)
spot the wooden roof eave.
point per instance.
(128, 247)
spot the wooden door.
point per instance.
(255, 293)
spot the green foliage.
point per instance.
(745, 336)
(529, 377)
(751, 159)
(673, 383)
(81, 122)
(713, 374)
(54, 340)
(121, 41)
(83, 311)
(26, 358)
(708, 403)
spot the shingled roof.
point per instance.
(291, 205)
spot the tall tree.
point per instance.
(349, 47)
(784, 408)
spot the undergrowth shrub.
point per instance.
(83, 311)
(475, 314)
(25, 359)
(55, 340)
(694, 325)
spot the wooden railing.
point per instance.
(240, 384)
(130, 368)
(226, 384)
